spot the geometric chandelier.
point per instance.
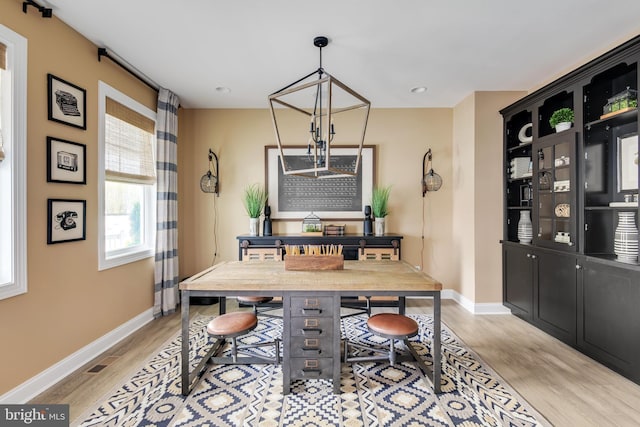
(324, 112)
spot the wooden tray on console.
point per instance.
(313, 262)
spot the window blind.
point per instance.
(3, 56)
(129, 154)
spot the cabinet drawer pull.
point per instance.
(312, 331)
(312, 311)
(315, 350)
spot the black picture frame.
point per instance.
(66, 161)
(313, 195)
(66, 220)
(67, 103)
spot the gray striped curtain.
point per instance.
(166, 271)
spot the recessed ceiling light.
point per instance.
(222, 89)
(418, 89)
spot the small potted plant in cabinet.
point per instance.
(561, 119)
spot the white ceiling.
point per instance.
(380, 48)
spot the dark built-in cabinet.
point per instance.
(572, 279)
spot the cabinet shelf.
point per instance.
(555, 218)
(610, 208)
(521, 179)
(617, 120)
(519, 147)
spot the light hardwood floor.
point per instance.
(565, 386)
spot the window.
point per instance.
(126, 181)
(13, 163)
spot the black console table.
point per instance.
(351, 243)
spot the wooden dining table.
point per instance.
(358, 278)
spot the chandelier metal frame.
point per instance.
(321, 121)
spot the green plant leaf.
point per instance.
(380, 201)
(254, 199)
(560, 116)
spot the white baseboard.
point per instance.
(47, 378)
(475, 308)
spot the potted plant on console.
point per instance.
(561, 119)
(255, 198)
(379, 206)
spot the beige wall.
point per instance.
(477, 195)
(69, 303)
(488, 194)
(463, 148)
(238, 137)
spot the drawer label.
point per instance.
(311, 342)
(311, 323)
(311, 364)
(311, 302)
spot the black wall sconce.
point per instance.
(431, 181)
(209, 182)
(45, 11)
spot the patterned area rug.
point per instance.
(373, 394)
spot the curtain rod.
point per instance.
(45, 11)
(130, 69)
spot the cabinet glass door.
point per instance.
(554, 221)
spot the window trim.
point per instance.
(17, 135)
(136, 253)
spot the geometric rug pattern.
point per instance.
(372, 394)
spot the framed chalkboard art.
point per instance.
(295, 197)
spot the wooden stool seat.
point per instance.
(386, 325)
(254, 300)
(392, 325)
(232, 324)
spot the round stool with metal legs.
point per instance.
(387, 325)
(233, 325)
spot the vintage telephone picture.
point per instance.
(66, 220)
